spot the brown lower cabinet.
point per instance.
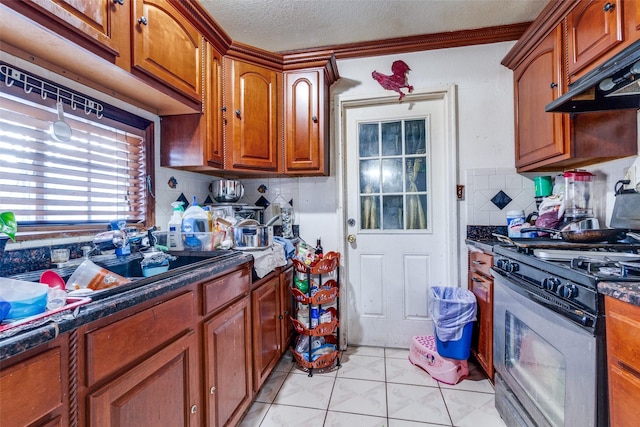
(623, 357)
(186, 358)
(34, 386)
(272, 331)
(481, 284)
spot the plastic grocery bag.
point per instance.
(452, 308)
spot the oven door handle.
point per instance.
(531, 292)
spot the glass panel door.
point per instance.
(393, 170)
(538, 367)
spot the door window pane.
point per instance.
(415, 136)
(392, 208)
(394, 166)
(392, 139)
(392, 175)
(368, 139)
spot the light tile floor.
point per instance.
(374, 387)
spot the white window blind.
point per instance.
(96, 177)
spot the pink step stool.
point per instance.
(423, 353)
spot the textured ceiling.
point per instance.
(281, 25)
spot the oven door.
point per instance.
(546, 361)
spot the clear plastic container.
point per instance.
(578, 194)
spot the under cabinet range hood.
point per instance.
(614, 85)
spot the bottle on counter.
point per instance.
(319, 251)
(174, 234)
(195, 226)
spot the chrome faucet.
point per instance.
(88, 250)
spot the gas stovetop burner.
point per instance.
(607, 269)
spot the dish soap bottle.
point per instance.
(174, 235)
(195, 224)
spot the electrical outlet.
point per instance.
(630, 174)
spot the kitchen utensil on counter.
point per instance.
(26, 298)
(578, 190)
(626, 208)
(52, 279)
(583, 236)
(226, 190)
(250, 235)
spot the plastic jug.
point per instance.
(578, 191)
(195, 227)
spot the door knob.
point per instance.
(351, 238)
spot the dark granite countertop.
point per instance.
(13, 342)
(624, 291)
(481, 236)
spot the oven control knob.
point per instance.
(512, 267)
(501, 263)
(551, 283)
(568, 291)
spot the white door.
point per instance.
(400, 214)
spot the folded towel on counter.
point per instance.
(266, 260)
(289, 249)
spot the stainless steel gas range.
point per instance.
(549, 334)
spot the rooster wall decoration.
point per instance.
(397, 81)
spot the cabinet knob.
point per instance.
(553, 85)
(212, 390)
(609, 7)
(143, 20)
(194, 409)
(238, 113)
(315, 119)
(120, 2)
(286, 312)
(281, 317)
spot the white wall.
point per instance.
(485, 123)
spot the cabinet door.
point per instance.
(34, 390)
(252, 139)
(594, 28)
(227, 362)
(161, 390)
(306, 152)
(482, 288)
(213, 142)
(540, 136)
(265, 301)
(195, 141)
(100, 25)
(286, 309)
(167, 47)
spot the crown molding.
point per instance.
(423, 42)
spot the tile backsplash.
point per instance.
(489, 189)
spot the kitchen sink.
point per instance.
(130, 268)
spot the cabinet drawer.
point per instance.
(481, 286)
(624, 390)
(113, 347)
(623, 332)
(41, 374)
(223, 290)
(480, 262)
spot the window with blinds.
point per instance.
(97, 176)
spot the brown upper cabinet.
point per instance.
(251, 117)
(307, 122)
(195, 141)
(147, 38)
(597, 30)
(572, 33)
(540, 136)
(166, 46)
